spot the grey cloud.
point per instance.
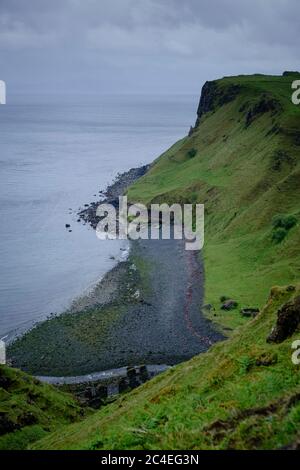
(143, 45)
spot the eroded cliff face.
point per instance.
(214, 96)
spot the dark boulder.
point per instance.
(123, 385)
(249, 312)
(132, 377)
(144, 375)
(229, 305)
(93, 396)
(191, 131)
(288, 320)
(7, 424)
(208, 307)
(266, 358)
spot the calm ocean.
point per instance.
(55, 154)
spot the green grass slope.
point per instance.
(242, 394)
(242, 161)
(30, 409)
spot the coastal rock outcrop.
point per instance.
(214, 96)
(288, 320)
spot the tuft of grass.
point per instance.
(284, 221)
(246, 363)
(192, 153)
(279, 234)
(20, 439)
(281, 226)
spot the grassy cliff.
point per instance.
(242, 160)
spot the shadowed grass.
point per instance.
(30, 409)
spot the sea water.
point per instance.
(56, 154)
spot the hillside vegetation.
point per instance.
(30, 409)
(242, 394)
(242, 160)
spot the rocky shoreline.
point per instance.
(96, 389)
(146, 310)
(151, 316)
(111, 194)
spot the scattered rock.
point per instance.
(208, 307)
(144, 373)
(136, 295)
(132, 377)
(111, 195)
(288, 320)
(291, 288)
(249, 312)
(229, 305)
(67, 225)
(266, 358)
(123, 385)
(191, 131)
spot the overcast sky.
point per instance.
(143, 46)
